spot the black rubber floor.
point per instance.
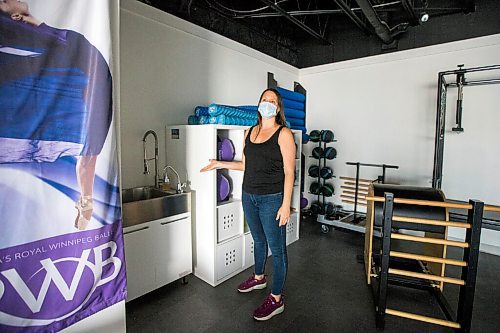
(325, 291)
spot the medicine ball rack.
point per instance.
(322, 172)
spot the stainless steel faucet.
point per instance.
(146, 167)
(179, 187)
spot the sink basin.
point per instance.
(144, 204)
(142, 193)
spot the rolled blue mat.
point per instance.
(201, 111)
(292, 95)
(293, 104)
(225, 120)
(203, 120)
(296, 122)
(249, 107)
(288, 124)
(305, 138)
(230, 111)
(294, 113)
(193, 120)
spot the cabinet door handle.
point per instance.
(165, 223)
(132, 231)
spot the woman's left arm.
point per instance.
(287, 147)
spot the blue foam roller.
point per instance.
(294, 113)
(193, 120)
(305, 138)
(230, 111)
(292, 95)
(248, 107)
(201, 111)
(293, 104)
(296, 122)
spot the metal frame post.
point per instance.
(384, 261)
(356, 192)
(469, 272)
(439, 139)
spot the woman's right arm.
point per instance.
(235, 165)
(214, 164)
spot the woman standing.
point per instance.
(269, 164)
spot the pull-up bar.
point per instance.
(460, 82)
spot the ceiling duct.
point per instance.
(410, 12)
(381, 28)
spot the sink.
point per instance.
(146, 203)
(142, 193)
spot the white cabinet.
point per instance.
(140, 273)
(174, 250)
(222, 247)
(157, 253)
(229, 257)
(229, 220)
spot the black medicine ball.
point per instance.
(315, 136)
(317, 153)
(326, 173)
(327, 190)
(317, 208)
(314, 188)
(313, 171)
(327, 136)
(330, 153)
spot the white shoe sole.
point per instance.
(272, 314)
(259, 286)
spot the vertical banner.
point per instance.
(61, 243)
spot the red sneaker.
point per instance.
(251, 284)
(269, 308)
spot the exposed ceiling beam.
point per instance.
(381, 28)
(353, 16)
(384, 6)
(295, 21)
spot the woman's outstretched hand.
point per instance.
(283, 215)
(211, 166)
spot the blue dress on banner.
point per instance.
(55, 94)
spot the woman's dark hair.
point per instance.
(280, 116)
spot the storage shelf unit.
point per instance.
(222, 244)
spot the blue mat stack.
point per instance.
(245, 115)
(295, 114)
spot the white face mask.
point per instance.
(267, 109)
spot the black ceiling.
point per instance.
(305, 33)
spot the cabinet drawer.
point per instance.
(229, 257)
(229, 220)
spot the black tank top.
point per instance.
(264, 172)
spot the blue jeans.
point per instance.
(260, 212)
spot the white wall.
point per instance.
(382, 109)
(168, 66)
